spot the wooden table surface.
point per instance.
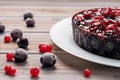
(46, 14)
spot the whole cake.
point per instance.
(98, 31)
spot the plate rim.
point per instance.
(54, 40)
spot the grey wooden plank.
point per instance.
(70, 69)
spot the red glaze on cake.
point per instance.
(98, 31)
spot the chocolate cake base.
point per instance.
(105, 47)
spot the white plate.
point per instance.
(61, 34)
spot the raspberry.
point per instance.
(7, 39)
(87, 72)
(9, 56)
(34, 72)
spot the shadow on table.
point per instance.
(79, 64)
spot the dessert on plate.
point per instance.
(98, 31)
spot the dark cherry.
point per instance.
(2, 28)
(20, 55)
(15, 34)
(30, 22)
(22, 42)
(28, 15)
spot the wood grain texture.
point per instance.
(46, 14)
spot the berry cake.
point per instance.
(98, 31)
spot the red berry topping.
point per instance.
(98, 17)
(34, 72)
(12, 72)
(45, 48)
(108, 22)
(87, 72)
(117, 13)
(7, 69)
(49, 48)
(111, 27)
(9, 56)
(7, 39)
(87, 16)
(112, 15)
(118, 24)
(105, 13)
(108, 9)
(41, 45)
(79, 18)
(118, 8)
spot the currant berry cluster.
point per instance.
(9, 70)
(43, 48)
(2, 28)
(34, 72)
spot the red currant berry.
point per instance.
(41, 45)
(7, 39)
(7, 69)
(87, 72)
(34, 72)
(12, 72)
(49, 48)
(45, 48)
(9, 56)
